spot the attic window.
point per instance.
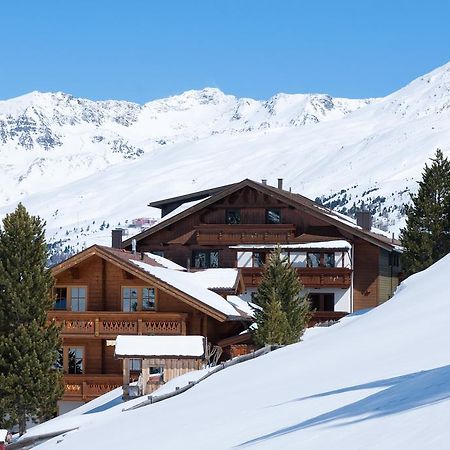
(233, 216)
(273, 216)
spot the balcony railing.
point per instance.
(87, 387)
(216, 234)
(108, 324)
(311, 277)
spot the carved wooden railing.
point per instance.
(217, 234)
(89, 386)
(311, 277)
(105, 324)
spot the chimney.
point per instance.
(264, 181)
(116, 236)
(133, 246)
(280, 183)
(142, 256)
(364, 220)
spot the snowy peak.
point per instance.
(425, 96)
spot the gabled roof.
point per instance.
(327, 215)
(188, 197)
(183, 285)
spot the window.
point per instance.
(155, 370)
(59, 363)
(73, 298)
(328, 260)
(394, 260)
(60, 298)
(135, 364)
(148, 299)
(138, 299)
(76, 357)
(205, 258)
(70, 360)
(322, 302)
(313, 260)
(233, 216)
(78, 298)
(273, 216)
(129, 299)
(258, 259)
(320, 260)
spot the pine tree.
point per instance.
(29, 385)
(272, 322)
(426, 237)
(279, 294)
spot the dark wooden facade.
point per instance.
(373, 275)
(89, 333)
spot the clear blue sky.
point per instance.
(142, 49)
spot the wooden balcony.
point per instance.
(87, 387)
(217, 234)
(311, 277)
(107, 325)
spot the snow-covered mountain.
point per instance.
(87, 166)
(376, 380)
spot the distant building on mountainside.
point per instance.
(345, 265)
(104, 292)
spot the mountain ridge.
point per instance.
(77, 161)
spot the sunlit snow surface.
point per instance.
(379, 380)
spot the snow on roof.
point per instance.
(182, 208)
(217, 278)
(244, 306)
(167, 263)
(157, 346)
(323, 244)
(188, 283)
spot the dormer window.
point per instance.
(233, 216)
(273, 216)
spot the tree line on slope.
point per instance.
(426, 237)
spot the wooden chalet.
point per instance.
(345, 265)
(104, 292)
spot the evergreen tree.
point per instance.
(279, 296)
(426, 237)
(29, 385)
(272, 322)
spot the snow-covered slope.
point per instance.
(380, 380)
(87, 166)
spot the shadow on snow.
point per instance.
(402, 393)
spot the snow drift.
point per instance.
(375, 380)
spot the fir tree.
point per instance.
(279, 296)
(29, 385)
(272, 322)
(426, 237)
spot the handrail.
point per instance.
(158, 398)
(31, 441)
